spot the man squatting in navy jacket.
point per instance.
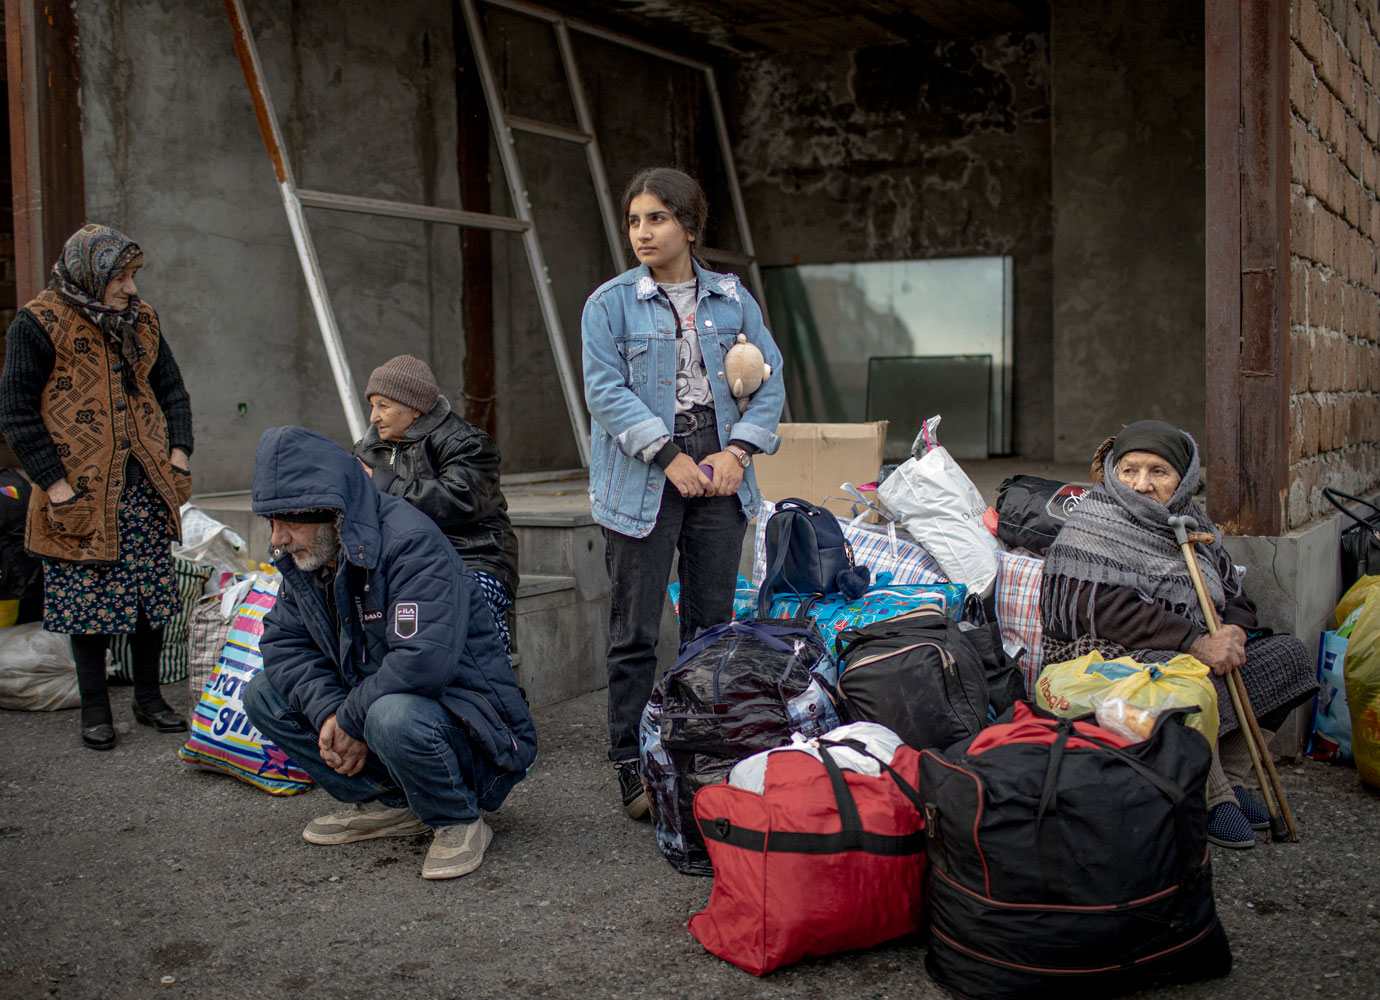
(384, 676)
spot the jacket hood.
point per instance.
(421, 427)
(297, 469)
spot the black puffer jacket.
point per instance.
(448, 469)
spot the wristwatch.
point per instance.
(741, 454)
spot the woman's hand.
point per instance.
(1223, 652)
(728, 473)
(686, 476)
(181, 461)
(60, 492)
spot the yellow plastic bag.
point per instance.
(1077, 687)
(1356, 596)
(1362, 674)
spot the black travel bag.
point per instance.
(737, 689)
(917, 674)
(1360, 551)
(1031, 510)
(1066, 862)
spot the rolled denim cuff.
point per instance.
(759, 437)
(639, 435)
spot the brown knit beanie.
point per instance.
(405, 380)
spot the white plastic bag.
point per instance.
(211, 543)
(939, 505)
(37, 673)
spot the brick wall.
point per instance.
(1334, 320)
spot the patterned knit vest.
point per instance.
(96, 427)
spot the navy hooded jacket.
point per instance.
(413, 619)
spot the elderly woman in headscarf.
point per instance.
(93, 404)
(1115, 581)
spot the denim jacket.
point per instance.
(629, 335)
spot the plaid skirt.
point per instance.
(80, 599)
(1279, 674)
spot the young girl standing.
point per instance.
(671, 457)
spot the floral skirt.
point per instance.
(81, 599)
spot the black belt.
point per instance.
(693, 420)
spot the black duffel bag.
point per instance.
(1031, 510)
(737, 689)
(1066, 863)
(917, 674)
(1360, 541)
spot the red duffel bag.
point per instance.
(828, 856)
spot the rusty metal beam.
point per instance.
(48, 177)
(1247, 176)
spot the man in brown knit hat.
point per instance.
(419, 449)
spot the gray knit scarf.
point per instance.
(1120, 538)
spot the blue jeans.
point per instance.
(708, 532)
(418, 756)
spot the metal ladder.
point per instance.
(295, 198)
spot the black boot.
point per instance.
(149, 707)
(97, 728)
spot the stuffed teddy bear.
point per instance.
(746, 370)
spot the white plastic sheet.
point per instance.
(37, 673)
(211, 543)
(939, 505)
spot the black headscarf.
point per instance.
(1158, 438)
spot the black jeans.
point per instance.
(708, 533)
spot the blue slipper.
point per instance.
(1228, 827)
(1256, 814)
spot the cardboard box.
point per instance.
(815, 458)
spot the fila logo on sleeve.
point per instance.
(405, 619)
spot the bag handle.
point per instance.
(849, 817)
(1332, 496)
(901, 783)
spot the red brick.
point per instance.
(1298, 152)
(1326, 415)
(1317, 167)
(1310, 29)
(1298, 361)
(1300, 82)
(1311, 418)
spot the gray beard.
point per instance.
(321, 551)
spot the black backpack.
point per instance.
(1064, 865)
(807, 554)
(737, 689)
(917, 674)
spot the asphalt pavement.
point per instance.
(128, 874)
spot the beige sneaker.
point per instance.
(363, 821)
(457, 850)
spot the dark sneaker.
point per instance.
(1256, 814)
(1228, 827)
(630, 785)
(457, 850)
(362, 821)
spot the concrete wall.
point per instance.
(1128, 192)
(1334, 319)
(928, 149)
(365, 94)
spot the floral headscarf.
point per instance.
(91, 257)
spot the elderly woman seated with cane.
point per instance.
(1116, 580)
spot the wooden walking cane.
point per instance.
(1261, 759)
